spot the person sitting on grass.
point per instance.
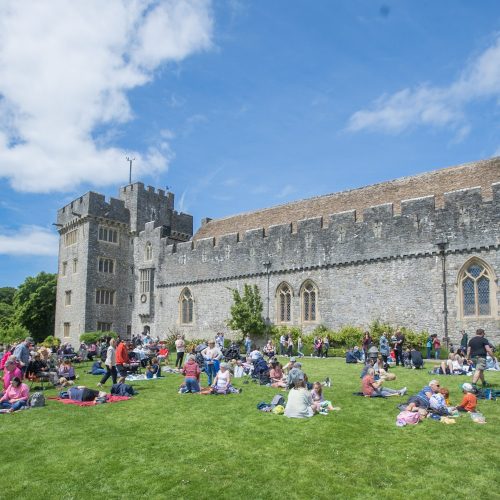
(422, 399)
(97, 368)
(16, 396)
(469, 401)
(276, 375)
(66, 372)
(269, 349)
(323, 406)
(222, 381)
(354, 355)
(153, 369)
(372, 388)
(11, 370)
(300, 403)
(288, 366)
(438, 405)
(191, 372)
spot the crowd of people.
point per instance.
(117, 359)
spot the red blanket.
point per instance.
(109, 399)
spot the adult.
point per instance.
(477, 350)
(248, 344)
(417, 361)
(373, 388)
(366, 342)
(289, 348)
(16, 396)
(422, 399)
(282, 344)
(269, 350)
(353, 355)
(212, 356)
(326, 346)
(219, 341)
(222, 381)
(398, 348)
(428, 345)
(295, 374)
(191, 372)
(318, 347)
(300, 403)
(300, 346)
(22, 353)
(383, 346)
(122, 359)
(97, 368)
(276, 375)
(11, 370)
(180, 348)
(110, 364)
(464, 340)
(436, 343)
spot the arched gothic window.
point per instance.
(284, 303)
(148, 251)
(186, 307)
(476, 285)
(309, 299)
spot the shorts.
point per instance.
(480, 363)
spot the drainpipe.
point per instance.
(442, 252)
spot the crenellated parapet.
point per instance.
(467, 220)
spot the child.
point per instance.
(469, 401)
(153, 369)
(319, 403)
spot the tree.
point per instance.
(7, 295)
(6, 307)
(35, 304)
(246, 312)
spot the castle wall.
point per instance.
(386, 266)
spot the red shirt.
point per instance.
(121, 354)
(469, 402)
(191, 370)
(366, 385)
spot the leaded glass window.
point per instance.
(186, 308)
(309, 299)
(475, 284)
(284, 303)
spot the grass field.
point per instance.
(164, 445)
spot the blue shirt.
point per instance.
(422, 394)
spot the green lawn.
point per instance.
(164, 445)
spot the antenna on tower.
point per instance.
(130, 161)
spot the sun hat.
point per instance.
(467, 387)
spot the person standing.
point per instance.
(180, 348)
(464, 341)
(212, 356)
(436, 343)
(290, 346)
(110, 364)
(477, 349)
(326, 346)
(398, 348)
(219, 341)
(300, 346)
(282, 344)
(248, 344)
(122, 359)
(22, 354)
(384, 347)
(366, 342)
(428, 346)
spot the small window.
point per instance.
(108, 234)
(71, 237)
(106, 265)
(186, 307)
(148, 251)
(64, 268)
(145, 281)
(104, 327)
(66, 329)
(130, 298)
(106, 297)
(309, 301)
(67, 299)
(75, 265)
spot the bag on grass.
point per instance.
(278, 400)
(37, 400)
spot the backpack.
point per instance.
(278, 400)
(37, 400)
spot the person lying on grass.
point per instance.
(82, 393)
(422, 399)
(16, 396)
(300, 403)
(372, 388)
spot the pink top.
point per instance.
(8, 376)
(5, 357)
(21, 392)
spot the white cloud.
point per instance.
(29, 240)
(435, 106)
(66, 68)
(286, 191)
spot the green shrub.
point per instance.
(91, 337)
(13, 333)
(51, 341)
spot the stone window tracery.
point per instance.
(476, 289)
(284, 303)
(309, 299)
(186, 307)
(148, 251)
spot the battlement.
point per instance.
(139, 188)
(95, 205)
(466, 217)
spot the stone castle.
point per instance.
(420, 251)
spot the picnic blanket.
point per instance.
(132, 378)
(109, 399)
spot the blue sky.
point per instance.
(235, 105)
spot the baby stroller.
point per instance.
(261, 371)
(232, 352)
